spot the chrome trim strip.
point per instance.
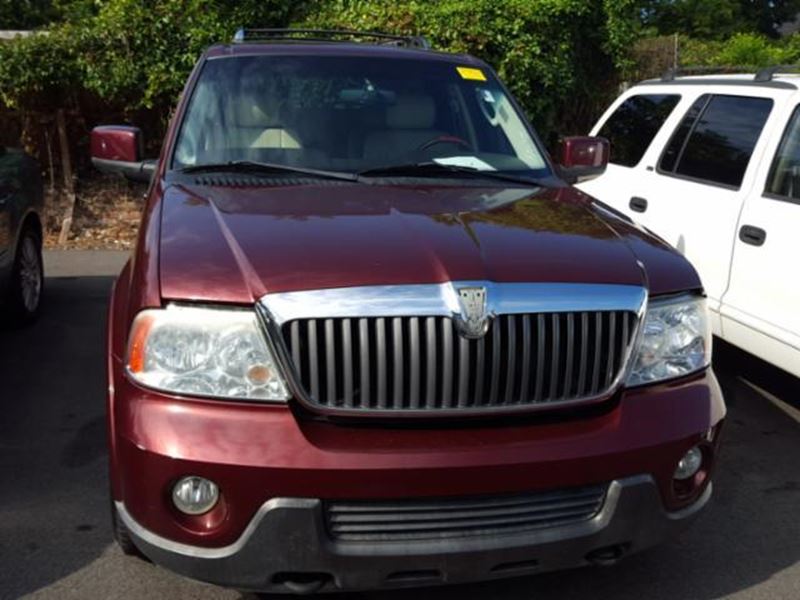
(599, 521)
(163, 543)
(441, 299)
(427, 300)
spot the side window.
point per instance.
(784, 175)
(634, 124)
(718, 143)
(678, 139)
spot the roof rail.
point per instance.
(328, 35)
(767, 73)
(672, 74)
(763, 75)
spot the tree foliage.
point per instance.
(25, 14)
(39, 72)
(547, 51)
(130, 54)
(740, 50)
(718, 19)
(136, 54)
(34, 14)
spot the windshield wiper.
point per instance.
(251, 166)
(434, 169)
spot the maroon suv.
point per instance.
(370, 337)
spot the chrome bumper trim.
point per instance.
(287, 535)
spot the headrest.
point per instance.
(411, 111)
(254, 110)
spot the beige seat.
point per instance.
(409, 124)
(256, 123)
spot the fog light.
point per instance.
(195, 495)
(689, 465)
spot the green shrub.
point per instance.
(549, 52)
(121, 57)
(751, 49)
(694, 52)
(791, 49)
(39, 72)
(139, 54)
(740, 50)
(131, 54)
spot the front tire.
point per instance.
(121, 534)
(24, 299)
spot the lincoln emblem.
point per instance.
(473, 321)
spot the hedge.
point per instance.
(740, 50)
(563, 59)
(136, 54)
(559, 57)
(132, 54)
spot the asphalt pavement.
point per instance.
(55, 539)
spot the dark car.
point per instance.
(21, 203)
(371, 338)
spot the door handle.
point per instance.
(755, 236)
(638, 204)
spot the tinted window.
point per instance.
(678, 139)
(722, 139)
(634, 124)
(784, 176)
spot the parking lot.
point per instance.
(55, 540)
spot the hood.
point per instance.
(234, 244)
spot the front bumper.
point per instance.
(286, 548)
(258, 452)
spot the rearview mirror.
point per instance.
(118, 149)
(583, 158)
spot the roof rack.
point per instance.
(328, 35)
(762, 75)
(767, 73)
(672, 74)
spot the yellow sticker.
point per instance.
(470, 73)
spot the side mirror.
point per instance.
(118, 149)
(583, 158)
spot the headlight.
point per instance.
(675, 340)
(204, 352)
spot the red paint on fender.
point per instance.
(217, 244)
(259, 452)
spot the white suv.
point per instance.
(712, 165)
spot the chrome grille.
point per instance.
(446, 518)
(423, 364)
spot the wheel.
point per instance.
(122, 535)
(24, 298)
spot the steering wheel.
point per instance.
(445, 139)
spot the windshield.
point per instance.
(353, 114)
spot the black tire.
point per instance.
(121, 534)
(23, 301)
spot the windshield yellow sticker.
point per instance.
(470, 73)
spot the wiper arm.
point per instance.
(429, 169)
(251, 166)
